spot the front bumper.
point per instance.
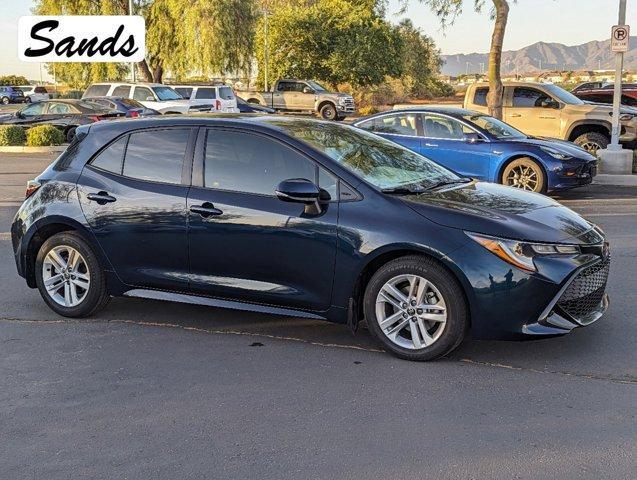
(576, 176)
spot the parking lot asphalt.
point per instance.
(157, 390)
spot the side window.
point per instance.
(398, 124)
(97, 90)
(249, 163)
(436, 126)
(156, 155)
(33, 109)
(59, 109)
(528, 97)
(142, 93)
(40, 90)
(283, 86)
(122, 91)
(480, 96)
(205, 93)
(184, 92)
(110, 159)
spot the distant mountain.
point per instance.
(552, 56)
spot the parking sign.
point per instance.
(619, 38)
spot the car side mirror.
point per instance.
(300, 190)
(472, 137)
(550, 103)
(307, 90)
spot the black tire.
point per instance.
(5, 100)
(96, 297)
(70, 134)
(592, 141)
(328, 111)
(254, 101)
(27, 100)
(457, 321)
(525, 174)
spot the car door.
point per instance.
(133, 194)
(533, 112)
(403, 128)
(144, 95)
(445, 142)
(280, 95)
(60, 114)
(245, 244)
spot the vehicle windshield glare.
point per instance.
(494, 126)
(563, 95)
(316, 86)
(382, 163)
(166, 93)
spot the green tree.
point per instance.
(334, 41)
(13, 80)
(447, 10)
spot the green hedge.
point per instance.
(44, 136)
(12, 135)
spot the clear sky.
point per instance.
(564, 21)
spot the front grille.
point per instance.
(585, 293)
(348, 102)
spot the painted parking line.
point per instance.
(5, 235)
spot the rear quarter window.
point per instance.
(110, 159)
(97, 90)
(226, 93)
(206, 93)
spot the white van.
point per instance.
(220, 98)
(159, 97)
(34, 94)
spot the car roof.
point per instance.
(451, 111)
(127, 84)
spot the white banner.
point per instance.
(90, 38)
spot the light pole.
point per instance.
(266, 56)
(132, 65)
(615, 159)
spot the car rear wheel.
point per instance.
(328, 112)
(525, 174)
(416, 309)
(592, 141)
(5, 100)
(69, 276)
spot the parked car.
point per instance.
(308, 219)
(11, 95)
(600, 85)
(475, 145)
(245, 107)
(546, 110)
(66, 115)
(218, 98)
(605, 95)
(34, 93)
(304, 96)
(161, 98)
(129, 107)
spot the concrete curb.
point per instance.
(616, 180)
(23, 149)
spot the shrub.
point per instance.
(44, 135)
(367, 110)
(12, 135)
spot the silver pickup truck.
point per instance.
(303, 96)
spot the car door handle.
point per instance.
(101, 198)
(431, 144)
(206, 210)
(515, 115)
(548, 118)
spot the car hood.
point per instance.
(501, 211)
(563, 146)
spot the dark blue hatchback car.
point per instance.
(304, 218)
(479, 146)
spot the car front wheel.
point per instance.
(592, 141)
(69, 276)
(415, 308)
(525, 174)
(5, 100)
(328, 112)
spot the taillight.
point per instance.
(95, 118)
(134, 113)
(32, 187)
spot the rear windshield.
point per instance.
(96, 90)
(130, 103)
(226, 93)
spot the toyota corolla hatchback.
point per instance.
(304, 218)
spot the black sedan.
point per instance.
(131, 108)
(66, 115)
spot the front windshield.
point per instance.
(494, 126)
(316, 86)
(563, 95)
(166, 93)
(382, 163)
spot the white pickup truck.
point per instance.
(303, 96)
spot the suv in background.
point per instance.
(156, 96)
(546, 110)
(218, 98)
(605, 95)
(11, 95)
(33, 93)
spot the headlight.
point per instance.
(342, 100)
(521, 254)
(555, 153)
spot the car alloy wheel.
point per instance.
(524, 177)
(5, 100)
(66, 276)
(411, 311)
(591, 147)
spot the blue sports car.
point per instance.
(479, 146)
